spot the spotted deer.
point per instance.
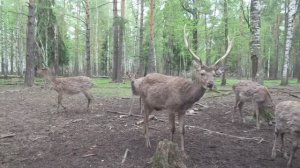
(68, 85)
(249, 91)
(177, 94)
(287, 121)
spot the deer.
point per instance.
(177, 94)
(259, 95)
(135, 88)
(287, 121)
(68, 85)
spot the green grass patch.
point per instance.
(107, 88)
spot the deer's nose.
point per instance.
(210, 84)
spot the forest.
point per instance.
(149, 83)
(109, 38)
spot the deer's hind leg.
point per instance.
(59, 101)
(89, 96)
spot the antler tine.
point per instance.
(44, 65)
(227, 52)
(196, 57)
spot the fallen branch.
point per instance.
(125, 156)
(259, 139)
(9, 135)
(88, 155)
(122, 113)
(150, 117)
(220, 94)
(293, 95)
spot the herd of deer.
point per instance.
(176, 95)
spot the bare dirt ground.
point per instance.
(76, 138)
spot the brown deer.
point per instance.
(135, 88)
(249, 91)
(68, 85)
(176, 94)
(287, 119)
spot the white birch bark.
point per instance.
(292, 9)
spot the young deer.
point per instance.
(287, 118)
(68, 85)
(249, 91)
(135, 88)
(176, 94)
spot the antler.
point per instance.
(227, 52)
(196, 57)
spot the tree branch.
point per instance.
(75, 17)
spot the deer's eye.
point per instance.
(202, 74)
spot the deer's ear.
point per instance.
(219, 70)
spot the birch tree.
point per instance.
(255, 48)
(141, 41)
(88, 38)
(290, 18)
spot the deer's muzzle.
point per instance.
(210, 84)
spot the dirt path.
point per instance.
(42, 138)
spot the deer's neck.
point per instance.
(192, 93)
(51, 78)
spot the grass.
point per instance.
(105, 87)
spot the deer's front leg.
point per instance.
(273, 156)
(240, 106)
(172, 124)
(181, 127)
(146, 127)
(256, 105)
(293, 151)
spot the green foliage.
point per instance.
(46, 21)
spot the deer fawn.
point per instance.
(68, 85)
(287, 118)
(249, 91)
(176, 94)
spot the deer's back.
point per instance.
(251, 91)
(287, 117)
(73, 85)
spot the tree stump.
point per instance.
(167, 155)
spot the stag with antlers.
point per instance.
(176, 94)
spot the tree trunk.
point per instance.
(240, 51)
(18, 45)
(88, 40)
(274, 62)
(56, 54)
(257, 61)
(292, 10)
(141, 40)
(121, 42)
(152, 57)
(76, 59)
(223, 83)
(116, 58)
(30, 44)
(207, 42)
(2, 37)
(12, 54)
